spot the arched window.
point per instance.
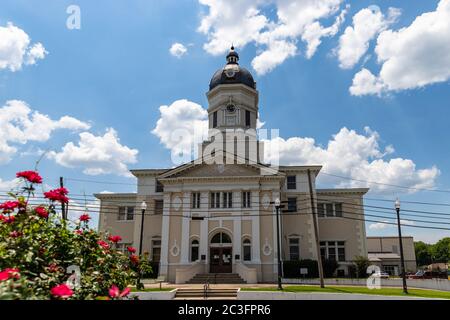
(247, 249)
(194, 250)
(220, 238)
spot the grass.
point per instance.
(423, 293)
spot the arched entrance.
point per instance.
(220, 253)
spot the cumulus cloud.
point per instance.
(184, 124)
(367, 23)
(411, 57)
(178, 50)
(388, 224)
(6, 185)
(244, 22)
(16, 50)
(97, 154)
(20, 124)
(353, 155)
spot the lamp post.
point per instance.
(141, 237)
(277, 207)
(402, 259)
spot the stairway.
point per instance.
(216, 278)
(192, 293)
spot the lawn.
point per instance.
(362, 290)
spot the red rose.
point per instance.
(9, 219)
(9, 205)
(103, 244)
(62, 291)
(9, 273)
(53, 267)
(41, 212)
(85, 217)
(114, 292)
(78, 231)
(134, 259)
(114, 239)
(31, 176)
(59, 194)
(15, 234)
(131, 249)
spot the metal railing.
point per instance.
(205, 289)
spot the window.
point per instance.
(156, 250)
(230, 120)
(338, 209)
(246, 199)
(159, 187)
(122, 247)
(194, 250)
(214, 119)
(292, 204)
(220, 238)
(196, 200)
(227, 199)
(126, 213)
(292, 182)
(215, 200)
(247, 249)
(159, 206)
(332, 250)
(294, 249)
(247, 118)
(329, 209)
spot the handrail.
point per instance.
(205, 289)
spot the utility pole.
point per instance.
(316, 231)
(280, 266)
(402, 259)
(63, 205)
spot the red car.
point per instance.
(427, 275)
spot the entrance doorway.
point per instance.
(221, 261)
(220, 254)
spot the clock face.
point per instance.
(230, 73)
(231, 108)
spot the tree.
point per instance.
(361, 263)
(440, 251)
(423, 253)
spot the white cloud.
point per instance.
(178, 50)
(6, 185)
(244, 22)
(15, 48)
(364, 82)
(358, 156)
(353, 155)
(380, 225)
(181, 126)
(20, 124)
(367, 23)
(412, 57)
(97, 154)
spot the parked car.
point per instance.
(383, 275)
(421, 274)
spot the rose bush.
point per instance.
(45, 257)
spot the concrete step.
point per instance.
(226, 278)
(192, 293)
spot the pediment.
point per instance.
(218, 170)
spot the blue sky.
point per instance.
(116, 71)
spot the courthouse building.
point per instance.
(207, 217)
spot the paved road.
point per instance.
(246, 295)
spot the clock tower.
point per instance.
(233, 111)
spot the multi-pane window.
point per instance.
(122, 247)
(126, 213)
(215, 200)
(159, 206)
(196, 200)
(332, 250)
(247, 250)
(194, 250)
(227, 200)
(294, 249)
(159, 187)
(329, 209)
(156, 250)
(246, 199)
(291, 182)
(292, 204)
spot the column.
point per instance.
(256, 246)
(204, 204)
(237, 237)
(163, 265)
(185, 225)
(275, 194)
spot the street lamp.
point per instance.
(402, 259)
(277, 207)
(141, 237)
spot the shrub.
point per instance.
(361, 265)
(53, 258)
(329, 267)
(291, 269)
